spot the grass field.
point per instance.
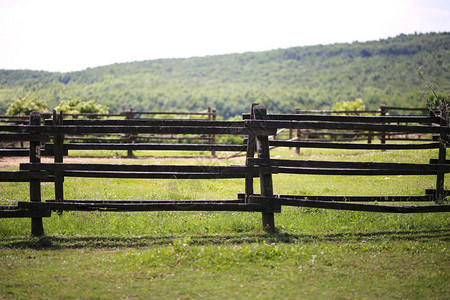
(315, 254)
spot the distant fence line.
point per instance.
(119, 141)
(359, 135)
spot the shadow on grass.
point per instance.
(100, 242)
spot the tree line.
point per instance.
(312, 77)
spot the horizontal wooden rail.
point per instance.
(137, 129)
(354, 119)
(365, 199)
(187, 113)
(270, 124)
(131, 168)
(223, 205)
(407, 108)
(327, 112)
(91, 115)
(11, 152)
(354, 172)
(15, 212)
(18, 137)
(142, 175)
(150, 122)
(349, 165)
(353, 146)
(24, 176)
(148, 171)
(189, 201)
(150, 146)
(353, 206)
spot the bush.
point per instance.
(356, 105)
(76, 106)
(25, 105)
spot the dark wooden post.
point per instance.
(130, 138)
(251, 147)
(212, 114)
(383, 113)
(443, 138)
(37, 227)
(262, 145)
(297, 149)
(58, 141)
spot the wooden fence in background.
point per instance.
(257, 126)
(328, 135)
(119, 141)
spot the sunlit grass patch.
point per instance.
(314, 254)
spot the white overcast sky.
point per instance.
(72, 35)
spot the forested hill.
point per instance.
(312, 77)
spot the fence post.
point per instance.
(37, 227)
(443, 139)
(251, 146)
(58, 142)
(266, 186)
(130, 138)
(297, 149)
(383, 133)
(212, 114)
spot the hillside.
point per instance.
(312, 77)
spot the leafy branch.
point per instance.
(437, 102)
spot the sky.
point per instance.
(72, 35)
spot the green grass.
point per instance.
(315, 254)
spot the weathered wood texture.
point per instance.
(353, 146)
(149, 146)
(266, 185)
(350, 199)
(357, 206)
(37, 227)
(139, 206)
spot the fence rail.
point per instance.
(375, 116)
(133, 118)
(257, 127)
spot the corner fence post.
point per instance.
(58, 141)
(262, 145)
(37, 227)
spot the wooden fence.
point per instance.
(327, 135)
(119, 141)
(258, 126)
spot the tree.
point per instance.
(25, 105)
